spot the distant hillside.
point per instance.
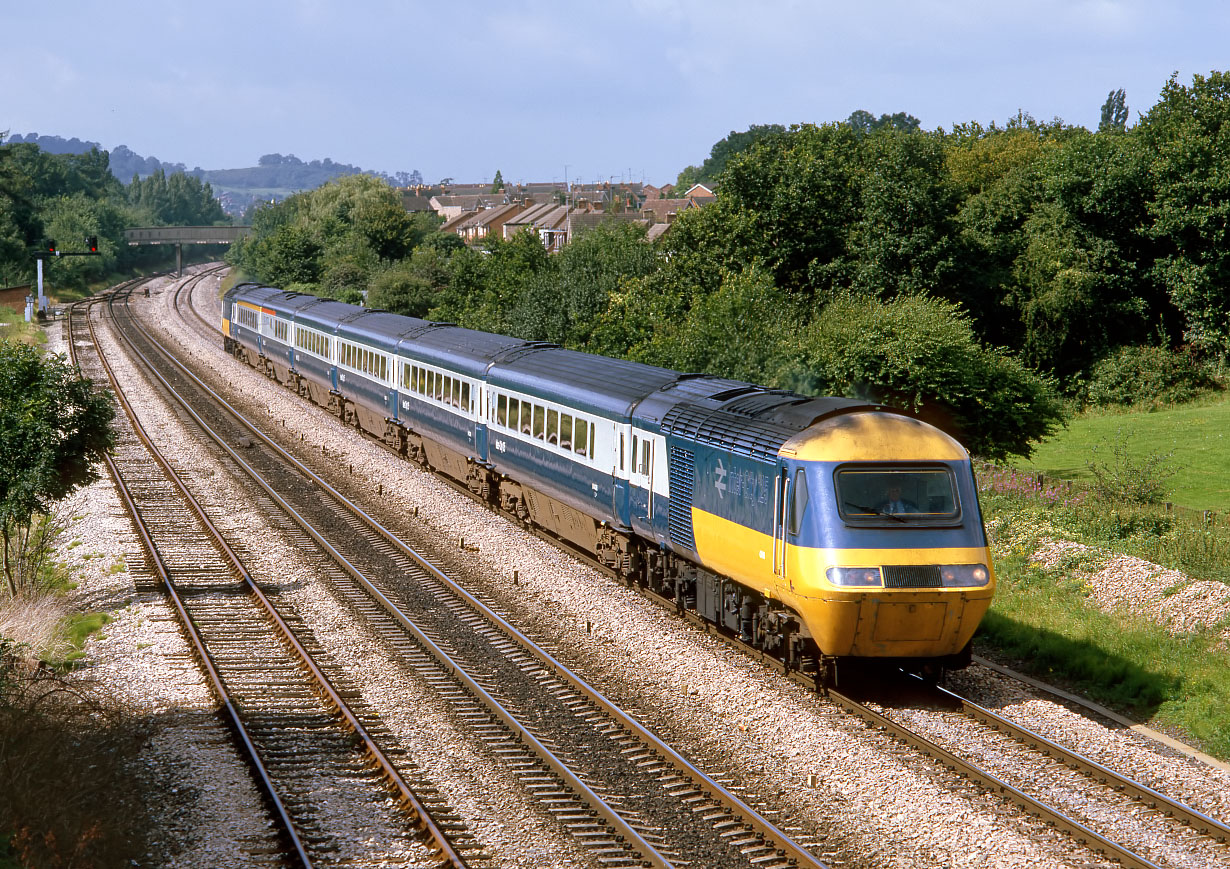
(274, 177)
(124, 162)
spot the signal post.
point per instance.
(50, 249)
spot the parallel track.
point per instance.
(626, 795)
(1143, 796)
(291, 725)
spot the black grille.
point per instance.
(679, 514)
(912, 576)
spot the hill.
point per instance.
(274, 177)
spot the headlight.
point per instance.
(965, 575)
(854, 576)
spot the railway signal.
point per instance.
(91, 244)
(49, 245)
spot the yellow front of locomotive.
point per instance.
(885, 553)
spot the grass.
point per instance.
(13, 327)
(1197, 437)
(1044, 623)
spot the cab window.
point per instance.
(880, 495)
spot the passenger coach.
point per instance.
(813, 528)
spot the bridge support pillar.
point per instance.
(179, 260)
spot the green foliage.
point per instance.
(65, 197)
(177, 200)
(331, 240)
(902, 240)
(402, 290)
(736, 331)
(1114, 112)
(77, 629)
(1187, 135)
(53, 428)
(711, 170)
(1042, 619)
(565, 304)
(864, 122)
(922, 354)
(486, 289)
(1118, 475)
(1147, 375)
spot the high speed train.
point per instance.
(814, 529)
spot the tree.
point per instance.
(722, 152)
(864, 123)
(401, 290)
(53, 428)
(922, 354)
(1187, 134)
(497, 183)
(1114, 113)
(564, 304)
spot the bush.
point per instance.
(1147, 375)
(400, 290)
(921, 353)
(1119, 476)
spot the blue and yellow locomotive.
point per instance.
(815, 529)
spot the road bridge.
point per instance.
(182, 235)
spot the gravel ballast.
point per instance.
(875, 802)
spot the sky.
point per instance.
(587, 90)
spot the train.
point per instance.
(817, 530)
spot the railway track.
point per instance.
(1193, 830)
(627, 797)
(1107, 811)
(297, 733)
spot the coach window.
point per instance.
(565, 431)
(539, 419)
(642, 455)
(526, 413)
(580, 442)
(465, 397)
(552, 426)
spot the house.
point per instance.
(550, 221)
(666, 210)
(450, 205)
(700, 194)
(477, 226)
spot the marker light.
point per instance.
(964, 575)
(854, 576)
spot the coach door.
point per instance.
(640, 476)
(781, 502)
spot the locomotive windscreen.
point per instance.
(879, 494)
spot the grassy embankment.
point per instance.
(1043, 618)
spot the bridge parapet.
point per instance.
(185, 234)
